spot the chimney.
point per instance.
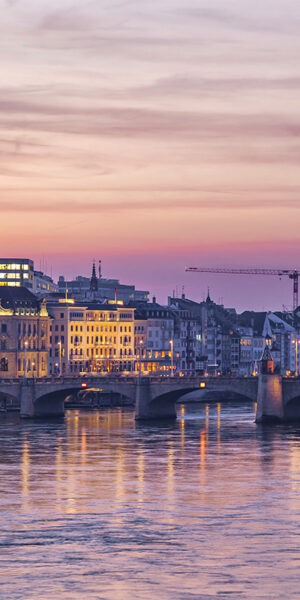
(154, 300)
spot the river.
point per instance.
(97, 506)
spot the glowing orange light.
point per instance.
(83, 385)
(202, 384)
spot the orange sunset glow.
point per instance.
(153, 135)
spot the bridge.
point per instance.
(155, 397)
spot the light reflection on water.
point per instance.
(100, 505)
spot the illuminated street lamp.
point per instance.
(25, 358)
(141, 356)
(296, 342)
(172, 357)
(59, 350)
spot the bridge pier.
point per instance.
(269, 398)
(147, 407)
(31, 408)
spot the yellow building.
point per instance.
(23, 334)
(91, 337)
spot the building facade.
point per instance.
(154, 338)
(100, 289)
(19, 272)
(90, 337)
(24, 329)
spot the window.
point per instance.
(3, 344)
(4, 364)
(61, 315)
(3, 328)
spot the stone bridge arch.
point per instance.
(9, 398)
(291, 399)
(44, 399)
(291, 409)
(158, 399)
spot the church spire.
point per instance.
(94, 280)
(208, 299)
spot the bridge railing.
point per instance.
(119, 378)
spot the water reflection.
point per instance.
(25, 466)
(104, 502)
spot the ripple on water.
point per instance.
(99, 505)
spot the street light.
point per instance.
(25, 358)
(172, 357)
(59, 350)
(141, 355)
(296, 342)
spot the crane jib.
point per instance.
(291, 273)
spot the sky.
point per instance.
(153, 135)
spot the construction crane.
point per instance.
(291, 273)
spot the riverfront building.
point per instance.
(90, 337)
(59, 335)
(153, 337)
(23, 334)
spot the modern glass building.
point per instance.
(16, 272)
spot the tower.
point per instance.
(94, 281)
(267, 362)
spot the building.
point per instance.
(16, 272)
(43, 284)
(154, 337)
(90, 337)
(277, 332)
(24, 324)
(100, 289)
(186, 330)
(19, 272)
